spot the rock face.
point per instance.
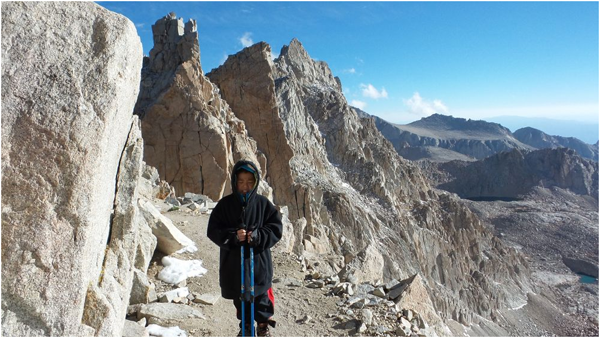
(106, 303)
(247, 84)
(415, 297)
(474, 139)
(515, 173)
(349, 194)
(190, 134)
(541, 140)
(70, 74)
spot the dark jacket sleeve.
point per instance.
(218, 229)
(271, 230)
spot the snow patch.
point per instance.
(177, 270)
(159, 331)
(190, 248)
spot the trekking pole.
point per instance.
(243, 286)
(252, 291)
(243, 291)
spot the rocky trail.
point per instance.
(311, 302)
(300, 311)
(307, 302)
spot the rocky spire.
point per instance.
(174, 42)
(293, 58)
(190, 134)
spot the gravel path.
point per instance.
(299, 311)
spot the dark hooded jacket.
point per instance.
(256, 213)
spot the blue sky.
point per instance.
(406, 60)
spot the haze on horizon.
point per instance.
(403, 61)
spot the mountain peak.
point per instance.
(447, 122)
(295, 41)
(294, 59)
(294, 51)
(538, 139)
(443, 138)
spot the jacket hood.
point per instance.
(247, 166)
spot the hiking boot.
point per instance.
(263, 330)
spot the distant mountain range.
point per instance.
(515, 173)
(586, 132)
(541, 140)
(442, 138)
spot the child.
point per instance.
(246, 218)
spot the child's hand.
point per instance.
(253, 238)
(241, 235)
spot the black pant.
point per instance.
(264, 308)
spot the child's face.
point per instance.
(245, 182)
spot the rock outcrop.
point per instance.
(190, 134)
(540, 140)
(515, 173)
(349, 194)
(71, 159)
(442, 138)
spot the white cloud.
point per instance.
(372, 92)
(140, 25)
(439, 106)
(416, 105)
(246, 40)
(350, 71)
(359, 104)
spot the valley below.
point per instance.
(551, 227)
